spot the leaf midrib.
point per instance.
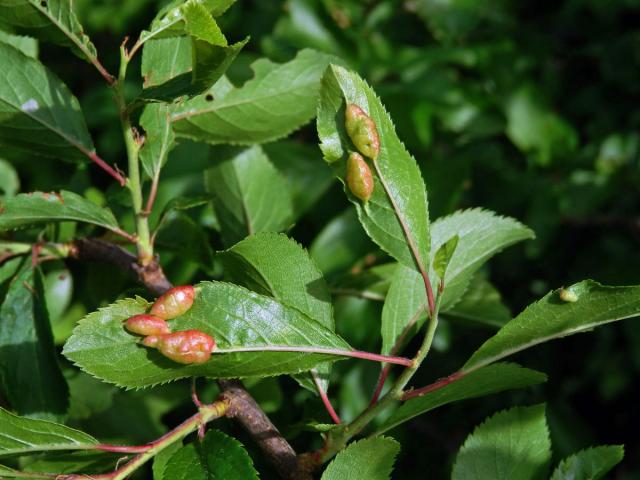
(67, 33)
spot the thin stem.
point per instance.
(152, 194)
(325, 398)
(375, 357)
(124, 234)
(103, 71)
(338, 441)
(105, 166)
(134, 49)
(206, 414)
(145, 249)
(384, 372)
(194, 393)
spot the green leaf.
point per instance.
(64, 463)
(27, 45)
(208, 64)
(20, 435)
(308, 177)
(28, 360)
(368, 459)
(250, 195)
(275, 265)
(551, 318)
(235, 317)
(396, 216)
(511, 445)
(8, 269)
(589, 464)
(191, 63)
(199, 23)
(38, 113)
(404, 309)
(38, 207)
(161, 460)
(9, 181)
(51, 20)
(481, 234)
(218, 456)
(279, 99)
(481, 304)
(443, 256)
(164, 59)
(170, 21)
(457, 387)
(158, 140)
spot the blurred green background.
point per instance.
(526, 108)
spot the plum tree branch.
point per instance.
(242, 407)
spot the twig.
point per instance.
(242, 406)
(150, 275)
(248, 413)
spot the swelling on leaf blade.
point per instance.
(186, 347)
(174, 302)
(362, 131)
(359, 178)
(147, 325)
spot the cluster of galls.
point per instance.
(187, 346)
(364, 135)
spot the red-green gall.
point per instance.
(362, 131)
(147, 325)
(359, 178)
(186, 347)
(174, 302)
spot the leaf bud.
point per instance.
(174, 302)
(186, 347)
(359, 178)
(362, 131)
(146, 325)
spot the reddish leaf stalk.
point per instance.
(145, 452)
(152, 195)
(384, 372)
(105, 166)
(443, 382)
(374, 357)
(325, 399)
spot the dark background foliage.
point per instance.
(526, 108)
